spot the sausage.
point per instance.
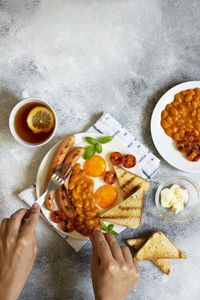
(50, 205)
(64, 202)
(59, 156)
(57, 160)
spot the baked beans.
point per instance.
(182, 115)
(81, 192)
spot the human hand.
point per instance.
(114, 271)
(18, 250)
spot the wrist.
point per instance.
(9, 289)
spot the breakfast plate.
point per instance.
(114, 145)
(164, 144)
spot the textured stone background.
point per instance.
(86, 57)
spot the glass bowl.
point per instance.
(191, 209)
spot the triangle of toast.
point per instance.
(137, 242)
(158, 246)
(129, 182)
(127, 212)
(161, 263)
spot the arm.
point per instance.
(114, 271)
(18, 250)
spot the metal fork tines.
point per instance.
(57, 179)
(62, 173)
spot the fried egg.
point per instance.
(106, 196)
(95, 166)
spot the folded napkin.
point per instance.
(107, 125)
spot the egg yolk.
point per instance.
(106, 196)
(95, 166)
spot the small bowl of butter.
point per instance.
(178, 199)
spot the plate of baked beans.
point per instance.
(91, 187)
(175, 126)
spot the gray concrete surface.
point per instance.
(86, 57)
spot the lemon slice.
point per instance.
(40, 119)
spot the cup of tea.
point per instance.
(32, 122)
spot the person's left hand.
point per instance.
(114, 271)
(18, 250)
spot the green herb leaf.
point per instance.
(89, 152)
(105, 139)
(90, 140)
(110, 227)
(98, 148)
(103, 226)
(113, 232)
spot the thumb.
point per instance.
(30, 221)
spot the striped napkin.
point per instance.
(107, 125)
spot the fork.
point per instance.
(57, 179)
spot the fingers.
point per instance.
(3, 227)
(136, 265)
(95, 257)
(114, 247)
(102, 247)
(127, 255)
(14, 223)
(92, 240)
(31, 220)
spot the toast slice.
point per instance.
(158, 246)
(137, 242)
(129, 182)
(128, 212)
(161, 263)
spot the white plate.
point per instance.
(164, 144)
(114, 145)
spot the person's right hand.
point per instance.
(18, 250)
(114, 271)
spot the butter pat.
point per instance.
(175, 197)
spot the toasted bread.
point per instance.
(158, 246)
(162, 263)
(129, 182)
(127, 212)
(137, 242)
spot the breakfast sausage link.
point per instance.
(62, 192)
(57, 160)
(49, 203)
(65, 203)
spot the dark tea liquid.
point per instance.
(21, 126)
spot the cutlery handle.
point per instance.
(40, 201)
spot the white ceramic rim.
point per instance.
(12, 118)
(157, 198)
(163, 143)
(41, 175)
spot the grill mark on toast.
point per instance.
(126, 183)
(132, 191)
(121, 217)
(130, 207)
(122, 175)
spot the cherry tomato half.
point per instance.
(193, 155)
(68, 225)
(58, 216)
(196, 145)
(110, 177)
(183, 146)
(128, 161)
(190, 136)
(116, 158)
